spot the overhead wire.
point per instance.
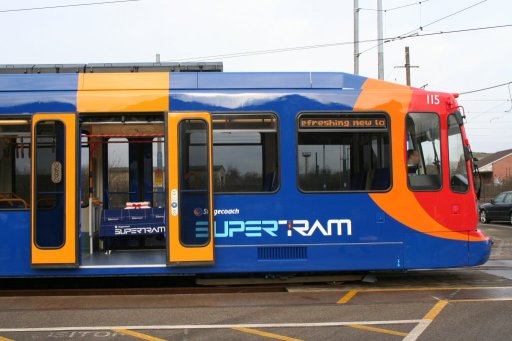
(66, 6)
(408, 34)
(394, 8)
(484, 89)
(307, 47)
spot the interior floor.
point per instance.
(126, 258)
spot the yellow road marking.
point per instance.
(5, 339)
(265, 334)
(378, 330)
(138, 335)
(436, 309)
(348, 296)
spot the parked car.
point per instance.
(499, 208)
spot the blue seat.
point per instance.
(117, 221)
(380, 180)
(358, 180)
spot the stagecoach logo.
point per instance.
(260, 228)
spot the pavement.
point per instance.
(451, 304)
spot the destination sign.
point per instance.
(344, 123)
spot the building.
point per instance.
(496, 167)
(496, 174)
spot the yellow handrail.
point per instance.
(11, 201)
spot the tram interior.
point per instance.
(123, 193)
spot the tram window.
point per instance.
(15, 166)
(423, 154)
(118, 172)
(458, 170)
(343, 152)
(245, 153)
(49, 191)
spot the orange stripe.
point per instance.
(123, 92)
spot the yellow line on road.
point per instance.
(432, 314)
(378, 330)
(138, 335)
(348, 296)
(265, 334)
(5, 339)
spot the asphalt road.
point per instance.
(452, 304)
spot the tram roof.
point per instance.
(110, 68)
(62, 77)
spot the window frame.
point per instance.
(278, 148)
(441, 173)
(27, 118)
(342, 112)
(448, 150)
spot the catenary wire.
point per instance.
(66, 6)
(422, 27)
(307, 47)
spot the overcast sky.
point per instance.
(135, 31)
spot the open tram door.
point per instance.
(55, 203)
(189, 217)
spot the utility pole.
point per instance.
(407, 67)
(380, 38)
(356, 37)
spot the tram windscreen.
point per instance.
(423, 146)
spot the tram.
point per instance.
(141, 170)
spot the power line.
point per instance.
(405, 35)
(408, 5)
(307, 47)
(395, 8)
(483, 89)
(66, 6)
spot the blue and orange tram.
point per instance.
(141, 170)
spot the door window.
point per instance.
(49, 184)
(194, 183)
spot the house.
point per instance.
(496, 168)
(496, 174)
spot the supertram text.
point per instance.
(259, 228)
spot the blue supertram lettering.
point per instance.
(259, 228)
(251, 228)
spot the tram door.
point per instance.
(55, 203)
(190, 198)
